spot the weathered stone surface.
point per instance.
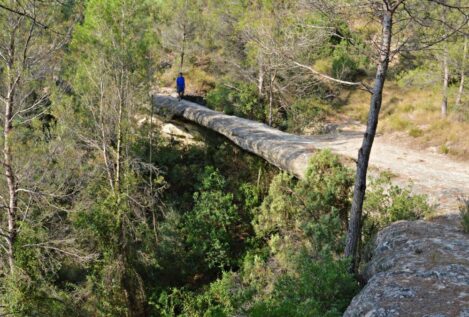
(419, 269)
(182, 132)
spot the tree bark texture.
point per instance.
(354, 229)
(444, 101)
(463, 66)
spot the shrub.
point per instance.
(464, 210)
(345, 65)
(318, 288)
(415, 132)
(210, 226)
(238, 99)
(307, 114)
(292, 269)
(443, 149)
(397, 122)
(219, 99)
(386, 203)
(315, 208)
(390, 203)
(422, 76)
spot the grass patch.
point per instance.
(416, 112)
(397, 123)
(415, 132)
(443, 149)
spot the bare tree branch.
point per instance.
(24, 14)
(343, 82)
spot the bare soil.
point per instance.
(443, 179)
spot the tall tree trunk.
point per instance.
(8, 155)
(119, 150)
(260, 81)
(271, 96)
(183, 47)
(463, 64)
(444, 101)
(122, 96)
(109, 166)
(354, 229)
(184, 36)
(11, 179)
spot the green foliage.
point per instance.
(303, 223)
(392, 203)
(443, 149)
(219, 99)
(33, 289)
(29, 296)
(386, 203)
(212, 222)
(307, 115)
(346, 65)
(316, 206)
(415, 132)
(238, 99)
(214, 301)
(293, 270)
(117, 233)
(191, 230)
(343, 65)
(318, 288)
(422, 76)
(464, 211)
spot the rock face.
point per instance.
(419, 269)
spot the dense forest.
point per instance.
(102, 214)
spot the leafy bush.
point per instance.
(31, 290)
(390, 203)
(315, 207)
(422, 76)
(386, 203)
(210, 226)
(216, 300)
(238, 99)
(307, 114)
(219, 99)
(318, 288)
(345, 65)
(443, 149)
(415, 132)
(303, 222)
(292, 269)
(398, 122)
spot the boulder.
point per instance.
(418, 268)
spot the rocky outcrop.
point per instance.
(418, 268)
(177, 131)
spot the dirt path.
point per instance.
(442, 179)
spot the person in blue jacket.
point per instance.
(180, 86)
